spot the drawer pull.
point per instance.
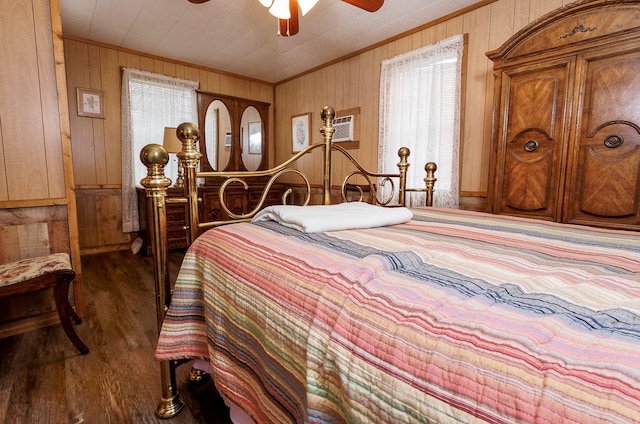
(614, 141)
(531, 146)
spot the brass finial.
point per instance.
(188, 131)
(154, 154)
(154, 157)
(188, 156)
(328, 112)
(404, 152)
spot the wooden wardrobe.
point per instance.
(566, 117)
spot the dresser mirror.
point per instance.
(217, 127)
(251, 127)
(233, 132)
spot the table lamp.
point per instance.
(172, 144)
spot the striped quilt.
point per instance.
(453, 317)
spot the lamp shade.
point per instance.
(171, 142)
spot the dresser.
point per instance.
(238, 200)
(566, 117)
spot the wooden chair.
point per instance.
(34, 274)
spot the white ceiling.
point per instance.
(240, 36)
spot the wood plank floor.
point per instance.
(43, 379)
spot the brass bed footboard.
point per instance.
(156, 183)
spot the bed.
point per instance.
(425, 315)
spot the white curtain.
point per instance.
(420, 109)
(150, 102)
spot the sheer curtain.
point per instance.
(150, 102)
(420, 109)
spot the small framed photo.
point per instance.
(300, 131)
(227, 139)
(255, 138)
(90, 103)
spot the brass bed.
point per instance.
(452, 316)
(156, 183)
(449, 316)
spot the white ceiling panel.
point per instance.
(240, 36)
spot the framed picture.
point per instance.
(90, 103)
(227, 139)
(255, 138)
(300, 131)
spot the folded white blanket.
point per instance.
(344, 216)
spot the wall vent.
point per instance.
(344, 128)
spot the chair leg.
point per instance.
(72, 313)
(65, 311)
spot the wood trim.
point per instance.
(165, 59)
(16, 204)
(105, 249)
(67, 157)
(355, 143)
(472, 193)
(98, 187)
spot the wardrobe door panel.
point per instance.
(604, 183)
(531, 147)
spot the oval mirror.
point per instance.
(252, 138)
(217, 135)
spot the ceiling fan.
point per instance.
(288, 15)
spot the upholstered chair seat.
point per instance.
(34, 274)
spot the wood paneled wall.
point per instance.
(354, 82)
(37, 202)
(347, 83)
(34, 162)
(96, 142)
(31, 158)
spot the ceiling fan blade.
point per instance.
(368, 5)
(198, 1)
(289, 27)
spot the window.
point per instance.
(150, 102)
(420, 109)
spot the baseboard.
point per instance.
(104, 249)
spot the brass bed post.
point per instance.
(188, 134)
(327, 130)
(403, 165)
(430, 181)
(155, 157)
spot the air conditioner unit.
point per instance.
(344, 128)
